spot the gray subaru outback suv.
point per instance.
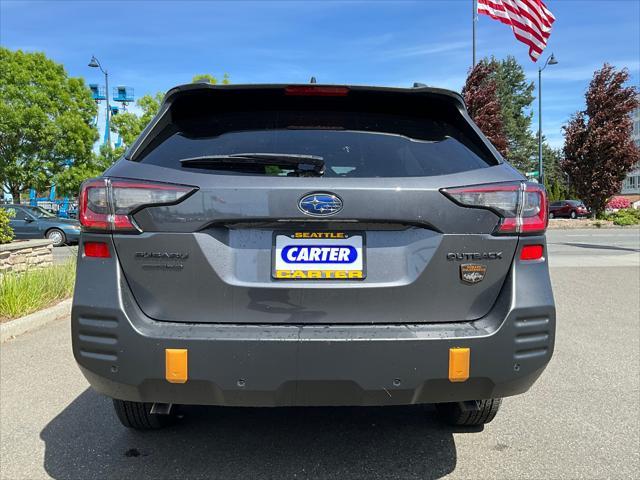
(284, 245)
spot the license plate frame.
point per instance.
(342, 238)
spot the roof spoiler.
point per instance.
(418, 88)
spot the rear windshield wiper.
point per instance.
(304, 165)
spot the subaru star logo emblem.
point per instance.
(320, 204)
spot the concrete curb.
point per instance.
(21, 325)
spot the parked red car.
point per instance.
(568, 209)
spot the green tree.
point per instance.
(555, 180)
(129, 125)
(68, 181)
(210, 79)
(516, 96)
(552, 159)
(45, 120)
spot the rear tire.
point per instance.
(137, 415)
(455, 414)
(574, 215)
(552, 215)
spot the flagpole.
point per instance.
(473, 23)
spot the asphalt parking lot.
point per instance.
(596, 248)
(64, 253)
(581, 420)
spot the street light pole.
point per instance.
(106, 86)
(95, 63)
(551, 60)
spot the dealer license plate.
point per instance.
(318, 256)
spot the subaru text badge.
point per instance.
(320, 204)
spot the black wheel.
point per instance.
(459, 414)
(137, 415)
(57, 237)
(551, 215)
(573, 214)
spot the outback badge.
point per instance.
(472, 272)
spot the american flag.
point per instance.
(530, 21)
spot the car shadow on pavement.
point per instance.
(598, 247)
(86, 441)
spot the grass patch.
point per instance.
(26, 292)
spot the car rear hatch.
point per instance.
(219, 248)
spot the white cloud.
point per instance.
(373, 40)
(429, 49)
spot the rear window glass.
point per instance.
(351, 143)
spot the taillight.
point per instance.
(522, 207)
(107, 204)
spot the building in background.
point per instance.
(631, 184)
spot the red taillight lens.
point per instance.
(535, 211)
(107, 204)
(93, 208)
(313, 91)
(521, 206)
(531, 252)
(96, 249)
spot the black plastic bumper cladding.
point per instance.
(121, 351)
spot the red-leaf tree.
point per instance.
(599, 149)
(480, 96)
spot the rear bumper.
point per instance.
(122, 352)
